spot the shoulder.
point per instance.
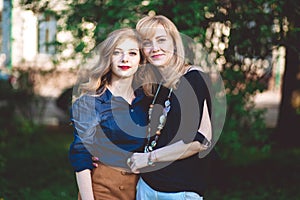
(198, 79)
(195, 73)
(84, 105)
(83, 109)
(84, 100)
(191, 68)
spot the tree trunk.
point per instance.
(288, 125)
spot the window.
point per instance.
(46, 34)
(1, 43)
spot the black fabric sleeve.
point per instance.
(200, 83)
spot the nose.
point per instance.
(155, 47)
(124, 58)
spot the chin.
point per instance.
(158, 63)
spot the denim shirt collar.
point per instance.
(107, 96)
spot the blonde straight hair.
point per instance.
(147, 26)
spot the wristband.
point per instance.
(202, 139)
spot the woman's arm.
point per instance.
(176, 151)
(180, 150)
(84, 122)
(205, 126)
(84, 182)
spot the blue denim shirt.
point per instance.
(108, 127)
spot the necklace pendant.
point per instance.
(153, 143)
(160, 126)
(146, 149)
(166, 110)
(167, 103)
(162, 119)
(150, 148)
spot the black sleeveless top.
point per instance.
(189, 174)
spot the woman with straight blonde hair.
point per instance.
(177, 156)
(109, 119)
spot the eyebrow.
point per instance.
(157, 37)
(134, 49)
(161, 36)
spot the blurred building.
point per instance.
(27, 41)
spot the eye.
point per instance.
(132, 53)
(162, 40)
(116, 53)
(147, 43)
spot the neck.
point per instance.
(166, 73)
(122, 88)
(163, 72)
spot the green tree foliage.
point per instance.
(256, 27)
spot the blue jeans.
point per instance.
(145, 192)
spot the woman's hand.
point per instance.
(95, 161)
(138, 161)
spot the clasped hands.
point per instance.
(135, 162)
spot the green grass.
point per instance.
(40, 170)
(276, 177)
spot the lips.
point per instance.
(157, 56)
(124, 67)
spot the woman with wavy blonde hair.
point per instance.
(95, 79)
(109, 119)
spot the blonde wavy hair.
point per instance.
(93, 81)
(147, 26)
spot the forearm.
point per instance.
(84, 182)
(176, 151)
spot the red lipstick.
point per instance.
(157, 56)
(124, 67)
